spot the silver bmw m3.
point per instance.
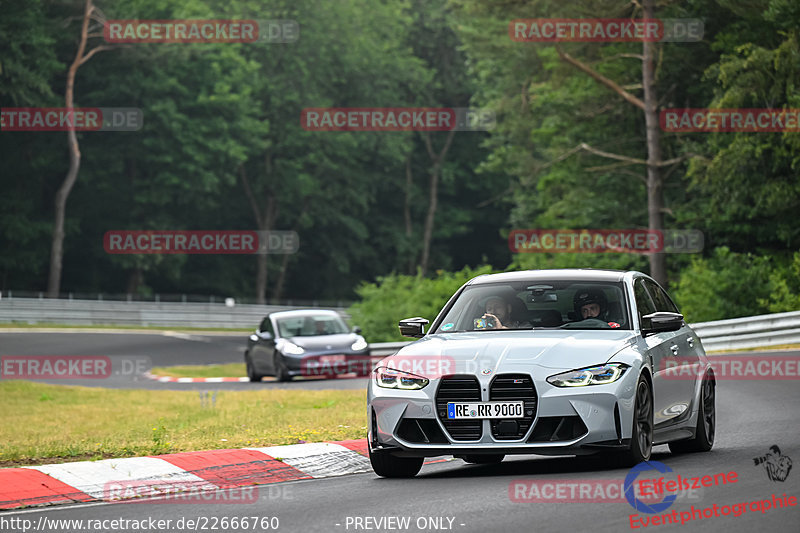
(548, 362)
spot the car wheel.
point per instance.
(703, 439)
(642, 434)
(476, 459)
(387, 465)
(251, 371)
(281, 372)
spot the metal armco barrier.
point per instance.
(119, 313)
(750, 332)
(737, 333)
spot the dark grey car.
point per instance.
(312, 342)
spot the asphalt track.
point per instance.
(752, 415)
(155, 349)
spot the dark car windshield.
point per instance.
(311, 325)
(561, 304)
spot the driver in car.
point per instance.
(498, 315)
(592, 303)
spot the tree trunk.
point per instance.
(407, 219)
(655, 184)
(278, 289)
(57, 244)
(264, 221)
(433, 196)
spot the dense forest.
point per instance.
(385, 215)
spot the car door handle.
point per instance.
(690, 342)
(674, 349)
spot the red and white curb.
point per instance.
(87, 481)
(170, 379)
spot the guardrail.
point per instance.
(737, 333)
(750, 332)
(733, 334)
(31, 311)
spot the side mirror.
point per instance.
(265, 335)
(413, 327)
(660, 322)
(357, 330)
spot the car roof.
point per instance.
(303, 312)
(578, 274)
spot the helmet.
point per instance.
(590, 296)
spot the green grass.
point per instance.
(51, 423)
(764, 349)
(230, 370)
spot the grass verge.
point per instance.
(230, 370)
(51, 423)
(763, 349)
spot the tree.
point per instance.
(90, 14)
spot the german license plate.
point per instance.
(458, 410)
(332, 359)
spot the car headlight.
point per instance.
(359, 345)
(594, 375)
(291, 348)
(389, 378)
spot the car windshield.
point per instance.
(311, 325)
(576, 304)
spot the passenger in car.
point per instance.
(498, 310)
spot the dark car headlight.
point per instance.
(389, 378)
(593, 375)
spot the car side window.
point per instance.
(644, 304)
(266, 326)
(662, 301)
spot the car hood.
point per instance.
(321, 342)
(514, 351)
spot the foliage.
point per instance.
(397, 296)
(726, 285)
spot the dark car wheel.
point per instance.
(703, 439)
(281, 371)
(476, 459)
(387, 465)
(642, 435)
(252, 375)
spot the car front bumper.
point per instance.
(566, 421)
